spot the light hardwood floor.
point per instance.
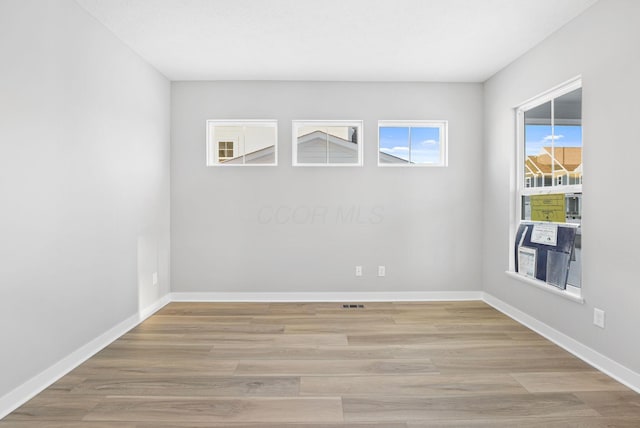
(392, 365)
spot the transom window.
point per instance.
(242, 142)
(327, 143)
(412, 143)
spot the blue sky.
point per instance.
(425, 143)
(538, 136)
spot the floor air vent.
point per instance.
(352, 306)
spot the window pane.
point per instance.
(573, 207)
(327, 143)
(342, 144)
(312, 144)
(259, 145)
(538, 139)
(411, 143)
(241, 142)
(568, 138)
(425, 146)
(394, 144)
(575, 266)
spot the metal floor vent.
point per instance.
(352, 306)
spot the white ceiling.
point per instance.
(352, 40)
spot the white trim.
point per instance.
(555, 92)
(548, 190)
(23, 393)
(601, 362)
(570, 293)
(358, 124)
(356, 296)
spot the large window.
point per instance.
(322, 143)
(412, 143)
(550, 185)
(242, 142)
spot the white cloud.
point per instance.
(429, 143)
(553, 137)
(400, 149)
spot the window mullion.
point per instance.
(553, 142)
(409, 144)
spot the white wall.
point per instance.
(84, 184)
(602, 45)
(304, 229)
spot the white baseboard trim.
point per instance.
(25, 392)
(605, 364)
(356, 296)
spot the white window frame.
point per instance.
(547, 96)
(442, 125)
(571, 292)
(296, 124)
(212, 147)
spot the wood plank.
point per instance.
(507, 364)
(377, 352)
(554, 381)
(166, 328)
(66, 424)
(53, 406)
(351, 328)
(214, 309)
(193, 385)
(613, 403)
(476, 407)
(421, 338)
(308, 424)
(180, 409)
(492, 350)
(157, 364)
(333, 367)
(324, 319)
(433, 385)
(178, 424)
(532, 422)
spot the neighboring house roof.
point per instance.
(312, 136)
(389, 158)
(319, 146)
(266, 155)
(569, 157)
(564, 160)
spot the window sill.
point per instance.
(571, 293)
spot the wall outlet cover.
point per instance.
(598, 317)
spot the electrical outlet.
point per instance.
(358, 270)
(382, 271)
(154, 278)
(598, 317)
